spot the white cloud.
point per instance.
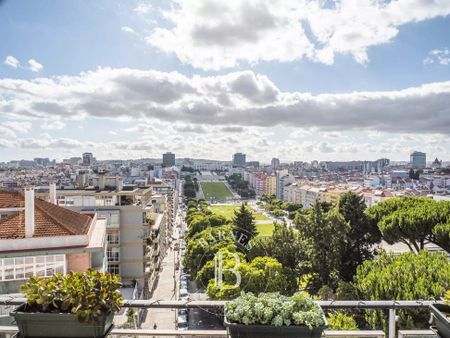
(11, 61)
(441, 57)
(35, 66)
(237, 99)
(18, 126)
(217, 34)
(143, 8)
(53, 125)
(128, 29)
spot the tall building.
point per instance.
(88, 159)
(275, 163)
(137, 228)
(418, 160)
(239, 160)
(168, 159)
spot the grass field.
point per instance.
(227, 211)
(265, 229)
(216, 191)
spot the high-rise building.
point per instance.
(239, 160)
(275, 163)
(88, 159)
(168, 159)
(418, 160)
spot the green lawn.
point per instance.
(227, 211)
(265, 229)
(217, 191)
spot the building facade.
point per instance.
(418, 160)
(239, 160)
(168, 159)
(38, 238)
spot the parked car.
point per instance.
(183, 284)
(184, 293)
(182, 322)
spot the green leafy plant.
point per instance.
(87, 295)
(341, 321)
(274, 309)
(447, 297)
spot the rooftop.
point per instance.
(50, 220)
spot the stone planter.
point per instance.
(441, 320)
(267, 331)
(38, 324)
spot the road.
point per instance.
(165, 289)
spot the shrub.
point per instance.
(341, 321)
(274, 309)
(87, 295)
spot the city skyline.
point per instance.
(133, 80)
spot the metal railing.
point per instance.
(392, 306)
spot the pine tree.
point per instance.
(244, 224)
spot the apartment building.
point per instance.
(38, 238)
(137, 231)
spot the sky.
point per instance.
(300, 80)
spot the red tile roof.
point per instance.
(49, 219)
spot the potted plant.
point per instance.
(73, 305)
(441, 316)
(274, 315)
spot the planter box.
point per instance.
(38, 324)
(268, 331)
(441, 313)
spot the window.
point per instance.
(24, 267)
(114, 268)
(113, 237)
(113, 255)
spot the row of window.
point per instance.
(24, 267)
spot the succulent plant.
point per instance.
(274, 309)
(87, 295)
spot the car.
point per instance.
(184, 293)
(182, 312)
(185, 299)
(183, 284)
(183, 278)
(182, 322)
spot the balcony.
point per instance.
(392, 306)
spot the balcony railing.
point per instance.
(392, 306)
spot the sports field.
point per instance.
(216, 191)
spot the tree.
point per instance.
(244, 224)
(408, 276)
(324, 237)
(202, 247)
(361, 237)
(284, 245)
(263, 274)
(413, 221)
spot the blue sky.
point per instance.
(300, 83)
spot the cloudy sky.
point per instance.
(298, 80)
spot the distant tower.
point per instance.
(275, 163)
(418, 160)
(239, 160)
(88, 159)
(168, 159)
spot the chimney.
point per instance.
(101, 181)
(29, 212)
(52, 190)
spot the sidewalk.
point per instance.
(164, 318)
